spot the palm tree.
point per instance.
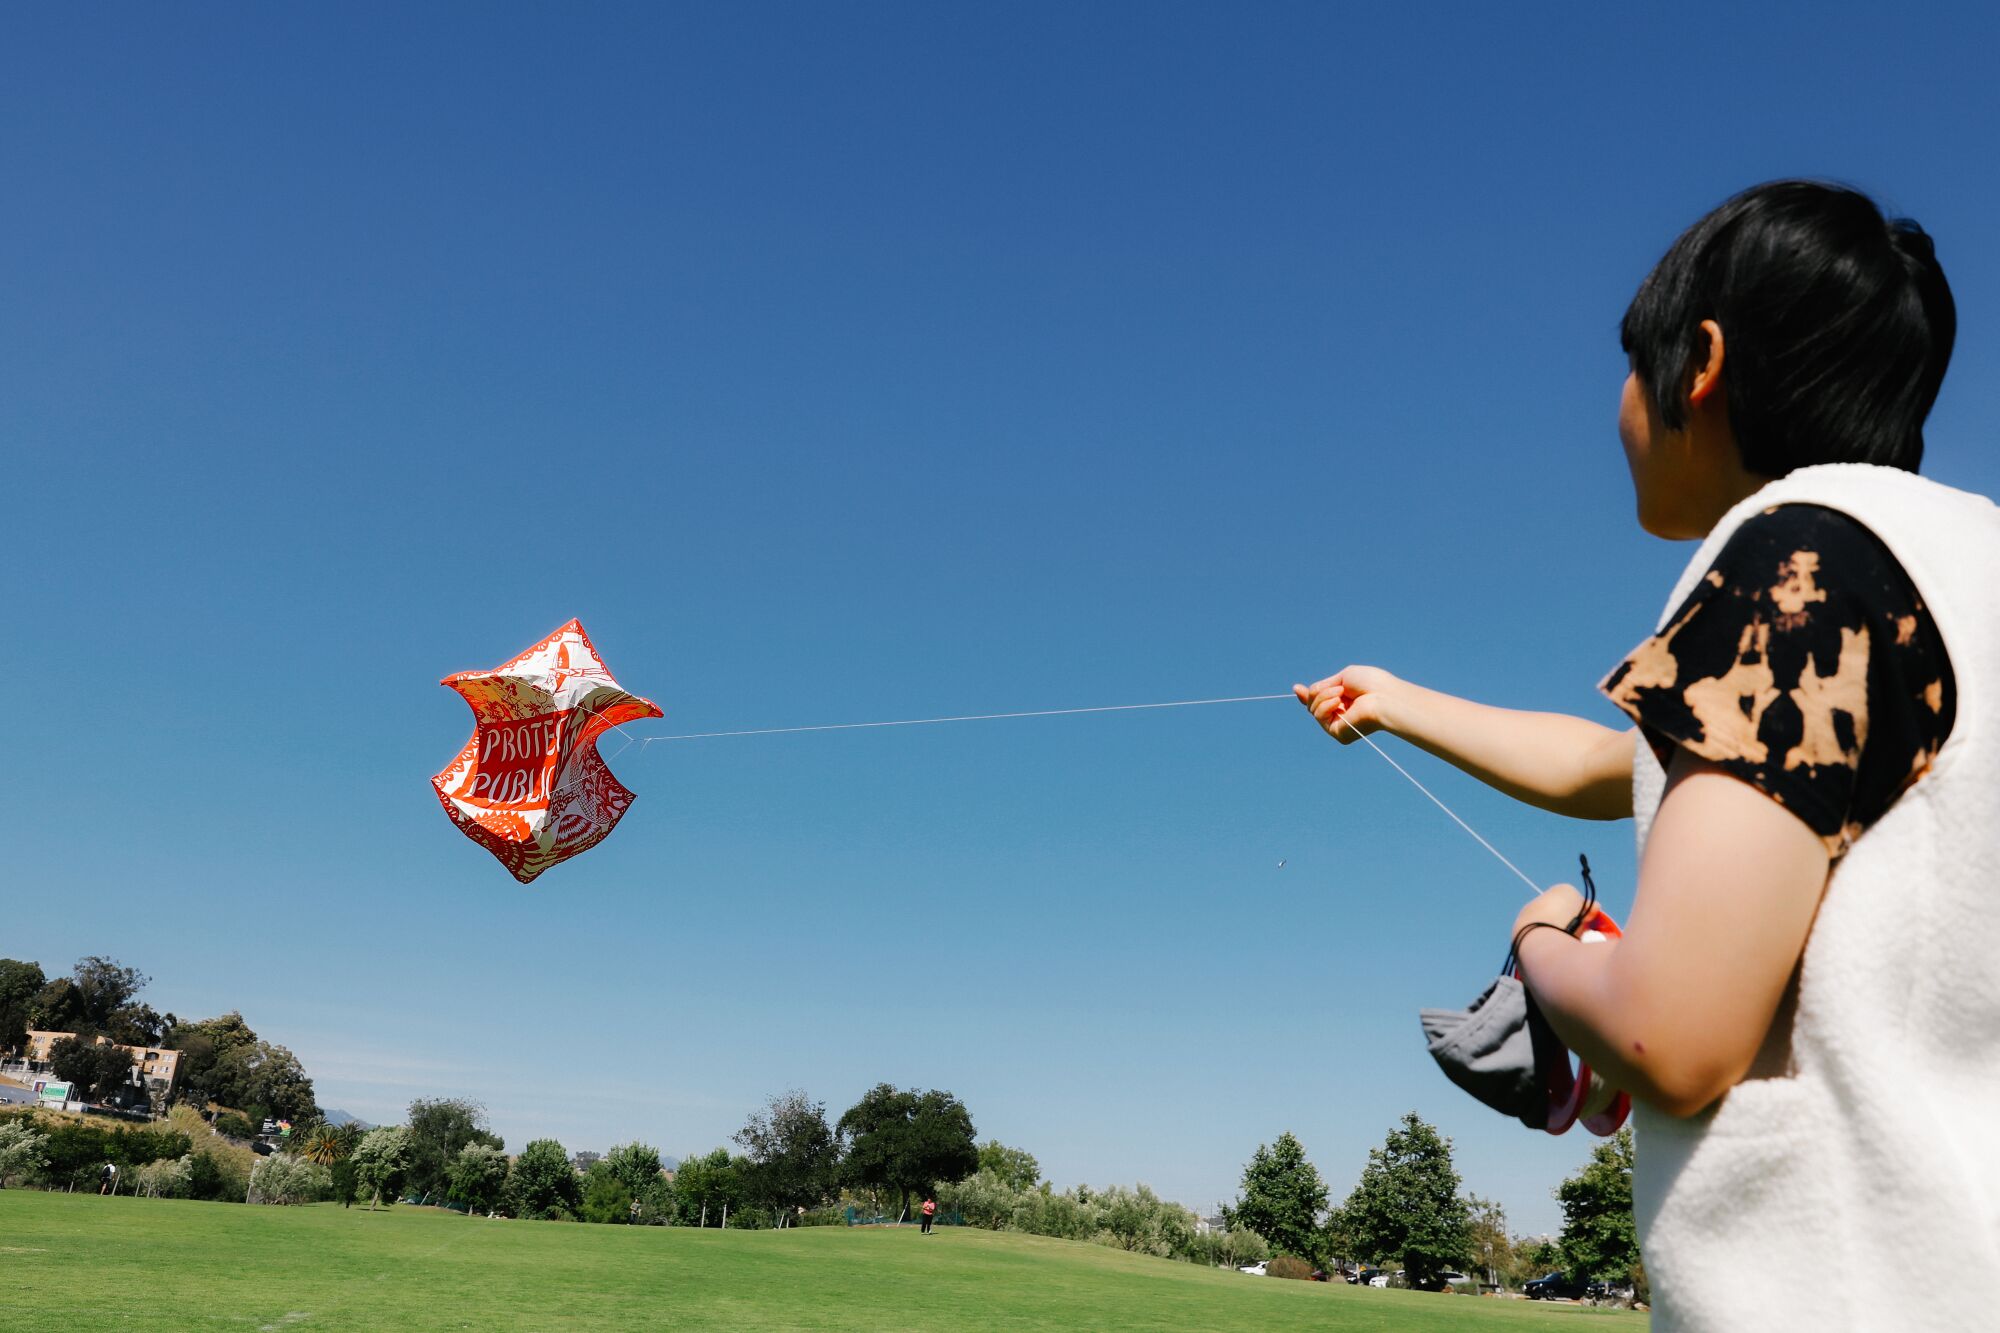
(324, 1144)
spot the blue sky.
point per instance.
(837, 363)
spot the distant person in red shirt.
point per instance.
(930, 1211)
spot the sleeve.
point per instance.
(1790, 666)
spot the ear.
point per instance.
(1708, 377)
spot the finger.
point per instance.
(1352, 722)
(1327, 705)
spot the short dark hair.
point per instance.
(1837, 326)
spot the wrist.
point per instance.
(1400, 711)
(1537, 942)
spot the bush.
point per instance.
(823, 1217)
(21, 1156)
(169, 1178)
(284, 1179)
(1048, 1214)
(136, 1147)
(234, 1126)
(983, 1200)
(205, 1178)
(1286, 1265)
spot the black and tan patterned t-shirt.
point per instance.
(1803, 663)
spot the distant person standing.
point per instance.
(107, 1179)
(930, 1211)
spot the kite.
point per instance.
(530, 786)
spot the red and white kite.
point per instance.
(530, 786)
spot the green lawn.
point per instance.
(79, 1261)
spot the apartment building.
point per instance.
(158, 1067)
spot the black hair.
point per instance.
(1837, 326)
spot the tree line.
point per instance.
(792, 1167)
(221, 1059)
(1407, 1210)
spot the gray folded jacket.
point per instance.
(1500, 1049)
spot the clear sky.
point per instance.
(848, 362)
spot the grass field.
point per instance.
(79, 1261)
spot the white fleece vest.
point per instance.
(1862, 1191)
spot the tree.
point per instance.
(1491, 1246)
(1016, 1168)
(1542, 1256)
(380, 1160)
(326, 1144)
(19, 984)
(793, 1156)
(1336, 1237)
(543, 1183)
(907, 1141)
(97, 999)
(346, 1180)
(478, 1177)
(1282, 1198)
(105, 987)
(1241, 1245)
(439, 1127)
(1599, 1237)
(638, 1166)
(705, 1186)
(1407, 1206)
(605, 1197)
(278, 1084)
(101, 1073)
(224, 1060)
(20, 1152)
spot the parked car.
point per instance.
(1556, 1286)
(1319, 1275)
(1258, 1269)
(1365, 1277)
(1609, 1291)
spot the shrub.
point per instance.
(823, 1217)
(21, 1154)
(1286, 1265)
(136, 1147)
(168, 1178)
(1060, 1215)
(234, 1126)
(983, 1200)
(284, 1179)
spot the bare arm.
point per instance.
(1677, 1010)
(1565, 764)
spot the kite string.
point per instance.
(1534, 889)
(968, 717)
